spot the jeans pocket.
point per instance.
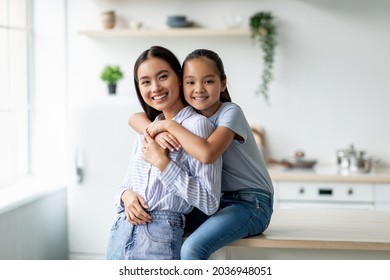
(161, 241)
(247, 197)
(159, 231)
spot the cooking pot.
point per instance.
(350, 160)
(298, 161)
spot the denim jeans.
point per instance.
(159, 240)
(241, 214)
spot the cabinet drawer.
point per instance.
(382, 193)
(326, 192)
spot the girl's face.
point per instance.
(159, 86)
(202, 85)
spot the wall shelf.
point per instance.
(168, 32)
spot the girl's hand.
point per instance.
(167, 141)
(156, 127)
(135, 206)
(154, 154)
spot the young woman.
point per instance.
(247, 191)
(169, 184)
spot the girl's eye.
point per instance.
(189, 82)
(144, 82)
(209, 82)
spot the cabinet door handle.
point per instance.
(350, 191)
(325, 191)
(79, 164)
(301, 190)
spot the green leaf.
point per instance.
(111, 74)
(263, 30)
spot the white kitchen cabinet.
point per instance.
(324, 195)
(103, 141)
(382, 197)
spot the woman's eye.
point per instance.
(163, 77)
(189, 82)
(144, 83)
(209, 82)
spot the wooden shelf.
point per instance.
(168, 32)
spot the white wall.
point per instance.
(331, 87)
(49, 90)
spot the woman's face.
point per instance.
(159, 85)
(202, 85)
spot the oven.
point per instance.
(324, 195)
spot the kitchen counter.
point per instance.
(325, 229)
(327, 174)
(318, 234)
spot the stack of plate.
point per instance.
(178, 21)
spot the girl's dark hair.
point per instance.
(204, 53)
(171, 59)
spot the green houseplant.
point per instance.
(111, 74)
(263, 31)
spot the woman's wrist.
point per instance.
(125, 195)
(164, 161)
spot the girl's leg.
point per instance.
(240, 215)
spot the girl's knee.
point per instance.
(190, 251)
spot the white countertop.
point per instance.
(328, 174)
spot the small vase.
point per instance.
(108, 19)
(112, 88)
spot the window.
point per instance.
(14, 91)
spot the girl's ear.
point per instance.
(223, 85)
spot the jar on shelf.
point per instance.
(108, 19)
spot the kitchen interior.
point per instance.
(323, 130)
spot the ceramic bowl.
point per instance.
(178, 21)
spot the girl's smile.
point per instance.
(202, 85)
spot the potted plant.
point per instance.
(111, 74)
(263, 30)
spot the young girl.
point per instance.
(169, 184)
(247, 191)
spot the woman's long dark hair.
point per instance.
(199, 53)
(171, 59)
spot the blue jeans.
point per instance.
(159, 240)
(241, 214)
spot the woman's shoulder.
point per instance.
(191, 116)
(197, 123)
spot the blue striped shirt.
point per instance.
(185, 182)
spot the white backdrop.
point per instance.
(331, 86)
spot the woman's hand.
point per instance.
(154, 154)
(135, 206)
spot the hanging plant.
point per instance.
(263, 31)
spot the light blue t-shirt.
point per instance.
(243, 163)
